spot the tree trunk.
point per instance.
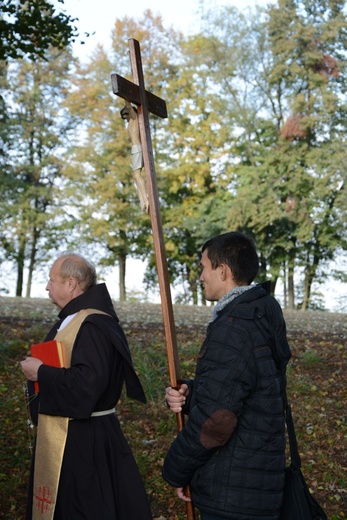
(202, 295)
(285, 293)
(20, 267)
(122, 270)
(310, 273)
(194, 292)
(307, 291)
(273, 284)
(29, 282)
(307, 285)
(190, 277)
(291, 295)
(32, 261)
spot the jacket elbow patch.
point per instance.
(218, 428)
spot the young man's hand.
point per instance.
(176, 398)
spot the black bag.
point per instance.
(298, 503)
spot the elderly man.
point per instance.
(82, 466)
(232, 448)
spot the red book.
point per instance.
(50, 352)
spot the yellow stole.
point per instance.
(51, 435)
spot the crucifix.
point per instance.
(149, 103)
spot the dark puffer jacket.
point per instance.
(232, 448)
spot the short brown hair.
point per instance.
(237, 251)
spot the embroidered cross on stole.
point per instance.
(51, 435)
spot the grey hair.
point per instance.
(76, 266)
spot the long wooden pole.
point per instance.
(158, 238)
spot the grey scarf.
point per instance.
(229, 297)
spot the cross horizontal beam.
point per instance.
(130, 91)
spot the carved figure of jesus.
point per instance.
(129, 113)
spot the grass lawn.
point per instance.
(316, 389)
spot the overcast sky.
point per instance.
(99, 15)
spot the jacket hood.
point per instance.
(97, 297)
(257, 305)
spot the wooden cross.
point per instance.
(149, 103)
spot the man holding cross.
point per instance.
(232, 448)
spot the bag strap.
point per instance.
(275, 347)
(293, 443)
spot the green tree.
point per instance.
(29, 28)
(281, 74)
(308, 42)
(192, 171)
(39, 127)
